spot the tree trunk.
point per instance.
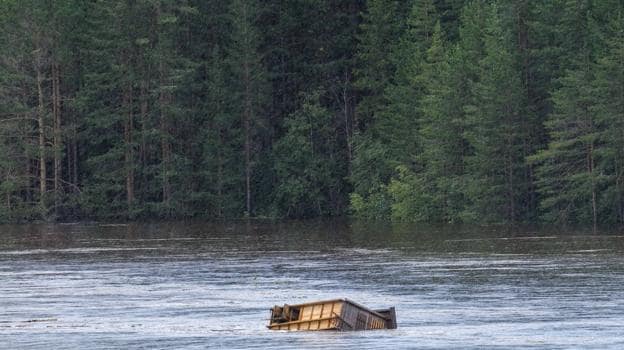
(590, 166)
(164, 100)
(247, 163)
(58, 140)
(531, 137)
(68, 157)
(165, 146)
(247, 115)
(510, 178)
(510, 190)
(345, 101)
(220, 174)
(144, 101)
(8, 194)
(129, 150)
(166, 159)
(41, 131)
(75, 154)
(29, 172)
(618, 187)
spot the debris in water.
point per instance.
(336, 314)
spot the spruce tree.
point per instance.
(250, 88)
(382, 25)
(172, 72)
(305, 162)
(495, 130)
(609, 115)
(396, 126)
(11, 79)
(389, 140)
(435, 190)
(105, 102)
(568, 179)
(221, 186)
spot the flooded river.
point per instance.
(199, 285)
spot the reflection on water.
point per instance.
(201, 285)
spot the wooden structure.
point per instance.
(337, 314)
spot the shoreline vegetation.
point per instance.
(436, 111)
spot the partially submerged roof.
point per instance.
(333, 314)
(335, 300)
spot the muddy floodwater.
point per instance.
(210, 285)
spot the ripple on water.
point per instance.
(138, 287)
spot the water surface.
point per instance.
(207, 285)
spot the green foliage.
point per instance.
(495, 130)
(577, 174)
(412, 198)
(393, 77)
(397, 124)
(218, 190)
(376, 205)
(429, 110)
(304, 162)
(609, 112)
(567, 179)
(382, 25)
(442, 133)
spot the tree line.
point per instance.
(421, 110)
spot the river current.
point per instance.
(210, 285)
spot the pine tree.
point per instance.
(397, 124)
(435, 190)
(609, 115)
(305, 162)
(12, 79)
(380, 30)
(382, 25)
(494, 130)
(567, 175)
(251, 87)
(389, 140)
(106, 101)
(31, 93)
(221, 191)
(172, 72)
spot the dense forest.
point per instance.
(414, 110)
